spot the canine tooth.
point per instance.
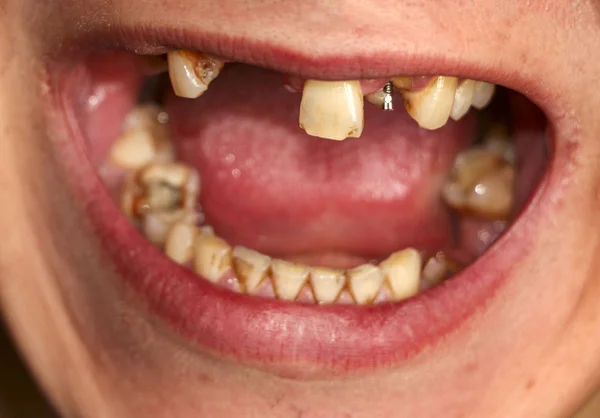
(288, 278)
(144, 139)
(492, 196)
(212, 258)
(402, 270)
(326, 283)
(191, 72)
(251, 268)
(332, 109)
(431, 106)
(483, 94)
(179, 245)
(364, 283)
(462, 99)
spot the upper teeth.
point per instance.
(191, 72)
(334, 109)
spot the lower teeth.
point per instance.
(160, 197)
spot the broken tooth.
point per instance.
(431, 106)
(364, 283)
(144, 139)
(332, 109)
(462, 99)
(251, 268)
(402, 270)
(212, 258)
(327, 284)
(377, 98)
(179, 245)
(288, 278)
(483, 94)
(191, 72)
(436, 269)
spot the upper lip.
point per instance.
(287, 335)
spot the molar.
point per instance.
(191, 72)
(332, 109)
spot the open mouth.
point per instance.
(286, 221)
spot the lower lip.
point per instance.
(289, 339)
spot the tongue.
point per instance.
(269, 186)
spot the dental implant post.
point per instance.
(387, 98)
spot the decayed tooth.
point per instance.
(144, 139)
(168, 186)
(431, 106)
(180, 242)
(462, 99)
(364, 283)
(191, 72)
(288, 278)
(154, 64)
(251, 268)
(326, 284)
(483, 94)
(332, 109)
(212, 258)
(402, 271)
(492, 196)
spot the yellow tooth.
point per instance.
(431, 106)
(144, 139)
(332, 109)
(251, 268)
(327, 284)
(191, 72)
(463, 99)
(364, 283)
(483, 94)
(402, 83)
(288, 278)
(170, 185)
(156, 225)
(402, 271)
(179, 245)
(212, 257)
(376, 98)
(492, 196)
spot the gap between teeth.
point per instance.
(160, 196)
(334, 109)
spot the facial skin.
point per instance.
(533, 351)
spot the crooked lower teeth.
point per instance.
(334, 109)
(160, 196)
